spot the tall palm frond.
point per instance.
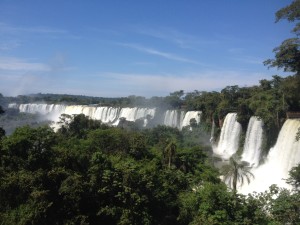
(236, 172)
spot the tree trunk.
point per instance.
(234, 181)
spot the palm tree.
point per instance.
(170, 151)
(236, 171)
(298, 135)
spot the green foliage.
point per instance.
(174, 100)
(236, 172)
(280, 205)
(285, 208)
(287, 55)
(88, 173)
(298, 135)
(108, 175)
(77, 125)
(215, 205)
(28, 148)
(294, 177)
(2, 131)
(1, 110)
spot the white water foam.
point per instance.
(229, 138)
(281, 158)
(253, 142)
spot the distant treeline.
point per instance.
(270, 100)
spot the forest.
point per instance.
(90, 173)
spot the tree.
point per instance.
(122, 122)
(175, 99)
(298, 135)
(291, 13)
(2, 131)
(170, 152)
(294, 177)
(29, 148)
(78, 125)
(287, 55)
(1, 110)
(236, 171)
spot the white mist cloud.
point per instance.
(26, 76)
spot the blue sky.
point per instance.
(136, 47)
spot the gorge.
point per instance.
(268, 169)
(112, 115)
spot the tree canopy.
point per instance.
(287, 55)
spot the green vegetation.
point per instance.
(90, 173)
(2, 131)
(236, 172)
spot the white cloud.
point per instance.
(109, 84)
(180, 39)
(23, 76)
(152, 51)
(249, 60)
(162, 84)
(9, 45)
(15, 64)
(7, 29)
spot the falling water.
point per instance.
(212, 133)
(107, 114)
(229, 138)
(190, 115)
(172, 118)
(281, 158)
(111, 115)
(52, 112)
(253, 142)
(133, 114)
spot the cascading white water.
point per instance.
(281, 158)
(13, 106)
(110, 115)
(171, 118)
(107, 114)
(74, 109)
(229, 138)
(190, 115)
(212, 133)
(253, 142)
(133, 114)
(52, 112)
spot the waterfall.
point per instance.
(51, 112)
(229, 138)
(253, 142)
(110, 115)
(106, 114)
(190, 115)
(74, 109)
(281, 158)
(171, 118)
(13, 106)
(212, 133)
(133, 114)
